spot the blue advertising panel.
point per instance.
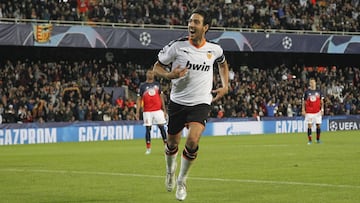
(34, 133)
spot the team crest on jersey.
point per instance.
(313, 98)
(152, 90)
(209, 54)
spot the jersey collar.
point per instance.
(198, 46)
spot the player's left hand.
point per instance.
(220, 92)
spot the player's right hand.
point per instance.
(177, 72)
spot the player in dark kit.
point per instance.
(192, 62)
(313, 109)
(150, 97)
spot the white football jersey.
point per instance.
(195, 87)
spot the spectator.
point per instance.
(10, 115)
(271, 108)
(47, 91)
(288, 15)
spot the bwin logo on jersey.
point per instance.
(201, 67)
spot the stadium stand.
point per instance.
(61, 90)
(35, 91)
(316, 15)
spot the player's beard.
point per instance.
(195, 37)
(193, 33)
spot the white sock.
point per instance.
(184, 169)
(170, 163)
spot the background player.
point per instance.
(151, 99)
(313, 109)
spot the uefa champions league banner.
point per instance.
(340, 123)
(276, 125)
(50, 35)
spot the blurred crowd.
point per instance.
(35, 91)
(313, 15)
(278, 91)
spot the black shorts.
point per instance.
(180, 115)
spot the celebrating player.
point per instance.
(192, 64)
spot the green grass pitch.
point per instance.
(279, 168)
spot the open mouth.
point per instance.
(192, 32)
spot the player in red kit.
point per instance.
(313, 109)
(151, 99)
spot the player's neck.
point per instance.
(198, 42)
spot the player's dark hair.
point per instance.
(205, 15)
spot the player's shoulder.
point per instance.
(212, 42)
(143, 84)
(178, 41)
(213, 45)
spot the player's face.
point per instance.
(196, 27)
(312, 84)
(150, 74)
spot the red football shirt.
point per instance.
(151, 96)
(312, 100)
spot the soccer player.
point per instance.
(313, 109)
(192, 60)
(151, 98)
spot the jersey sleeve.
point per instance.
(304, 96)
(167, 54)
(140, 91)
(221, 58)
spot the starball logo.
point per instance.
(200, 67)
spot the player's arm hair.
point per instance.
(322, 104)
(160, 71)
(138, 104)
(163, 101)
(224, 74)
(303, 105)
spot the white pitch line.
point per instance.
(193, 178)
(266, 145)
